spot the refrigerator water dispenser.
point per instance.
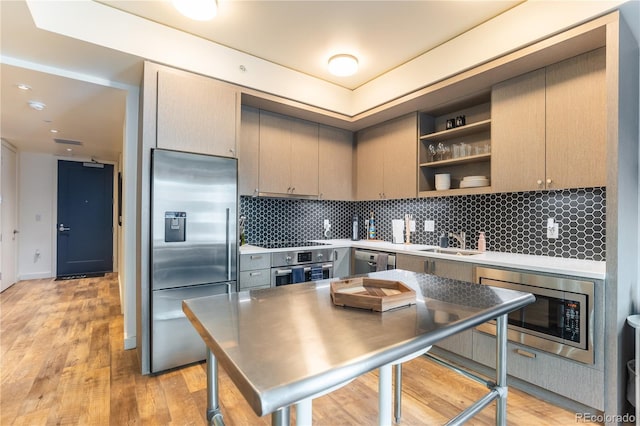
(175, 224)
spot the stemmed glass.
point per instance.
(442, 150)
(432, 152)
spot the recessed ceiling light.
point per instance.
(23, 86)
(69, 149)
(53, 131)
(38, 106)
(198, 10)
(343, 65)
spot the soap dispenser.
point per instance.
(482, 242)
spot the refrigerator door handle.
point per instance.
(228, 247)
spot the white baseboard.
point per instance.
(35, 276)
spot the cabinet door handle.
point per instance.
(524, 353)
(254, 274)
(253, 257)
(539, 182)
(549, 181)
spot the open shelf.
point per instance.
(456, 132)
(459, 160)
(456, 191)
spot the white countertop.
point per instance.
(555, 265)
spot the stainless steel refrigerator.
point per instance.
(194, 247)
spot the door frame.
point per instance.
(6, 144)
(54, 210)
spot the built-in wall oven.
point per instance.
(560, 321)
(301, 265)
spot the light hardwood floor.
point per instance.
(62, 362)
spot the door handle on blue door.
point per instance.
(62, 228)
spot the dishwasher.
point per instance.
(366, 261)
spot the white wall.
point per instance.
(36, 215)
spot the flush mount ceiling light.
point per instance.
(23, 86)
(343, 65)
(38, 106)
(198, 10)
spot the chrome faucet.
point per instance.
(462, 239)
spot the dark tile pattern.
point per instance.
(512, 222)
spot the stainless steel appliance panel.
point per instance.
(175, 341)
(546, 324)
(366, 261)
(204, 188)
(285, 276)
(194, 246)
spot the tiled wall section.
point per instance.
(512, 222)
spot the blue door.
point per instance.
(85, 218)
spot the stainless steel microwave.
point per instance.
(560, 321)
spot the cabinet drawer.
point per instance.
(250, 262)
(562, 376)
(258, 277)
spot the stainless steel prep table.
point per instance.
(286, 344)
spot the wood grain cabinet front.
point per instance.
(461, 343)
(336, 155)
(288, 161)
(249, 152)
(549, 126)
(386, 165)
(196, 114)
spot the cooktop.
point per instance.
(288, 244)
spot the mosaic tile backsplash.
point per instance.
(512, 222)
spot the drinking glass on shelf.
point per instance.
(456, 150)
(432, 152)
(442, 150)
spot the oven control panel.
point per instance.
(300, 257)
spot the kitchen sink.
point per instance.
(452, 251)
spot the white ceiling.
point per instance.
(84, 84)
(303, 35)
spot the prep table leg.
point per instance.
(281, 417)
(397, 401)
(384, 395)
(304, 412)
(214, 416)
(501, 370)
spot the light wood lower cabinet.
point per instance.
(341, 262)
(548, 127)
(196, 114)
(462, 271)
(288, 162)
(255, 271)
(386, 165)
(461, 343)
(571, 379)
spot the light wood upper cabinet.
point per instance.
(548, 127)
(387, 160)
(288, 155)
(249, 151)
(576, 122)
(196, 114)
(518, 133)
(335, 164)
